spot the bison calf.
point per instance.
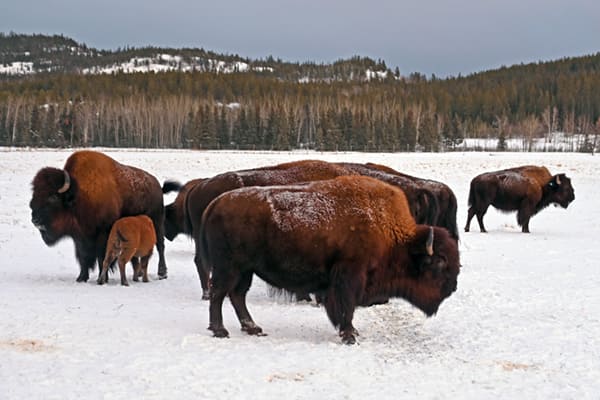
(352, 240)
(527, 189)
(130, 239)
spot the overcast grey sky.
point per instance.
(440, 37)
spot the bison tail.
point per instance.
(202, 247)
(187, 222)
(450, 216)
(471, 199)
(171, 186)
(121, 238)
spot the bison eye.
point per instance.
(440, 264)
(53, 199)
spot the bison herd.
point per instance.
(350, 234)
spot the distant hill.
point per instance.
(32, 54)
(55, 91)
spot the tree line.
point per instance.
(204, 110)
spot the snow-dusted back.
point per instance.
(524, 322)
(292, 210)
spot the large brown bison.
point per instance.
(446, 199)
(422, 201)
(83, 200)
(202, 193)
(352, 240)
(527, 189)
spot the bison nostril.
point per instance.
(38, 223)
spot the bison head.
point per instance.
(434, 268)
(560, 190)
(53, 197)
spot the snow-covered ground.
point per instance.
(524, 322)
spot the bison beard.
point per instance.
(83, 200)
(351, 239)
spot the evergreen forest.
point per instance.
(357, 104)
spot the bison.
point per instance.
(527, 189)
(422, 202)
(174, 212)
(86, 197)
(202, 193)
(446, 199)
(130, 239)
(351, 239)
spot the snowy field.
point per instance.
(524, 322)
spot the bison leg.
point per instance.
(162, 265)
(135, 263)
(103, 276)
(215, 311)
(470, 216)
(126, 255)
(523, 217)
(144, 268)
(238, 299)
(204, 276)
(480, 220)
(160, 246)
(86, 256)
(340, 301)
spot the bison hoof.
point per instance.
(205, 296)
(219, 332)
(82, 278)
(100, 281)
(348, 339)
(466, 229)
(162, 276)
(253, 330)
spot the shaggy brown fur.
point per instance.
(422, 203)
(527, 189)
(83, 200)
(352, 240)
(130, 239)
(446, 200)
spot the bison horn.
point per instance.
(558, 179)
(67, 183)
(429, 243)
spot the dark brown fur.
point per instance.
(174, 212)
(101, 191)
(201, 194)
(351, 239)
(130, 239)
(446, 200)
(422, 201)
(527, 189)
